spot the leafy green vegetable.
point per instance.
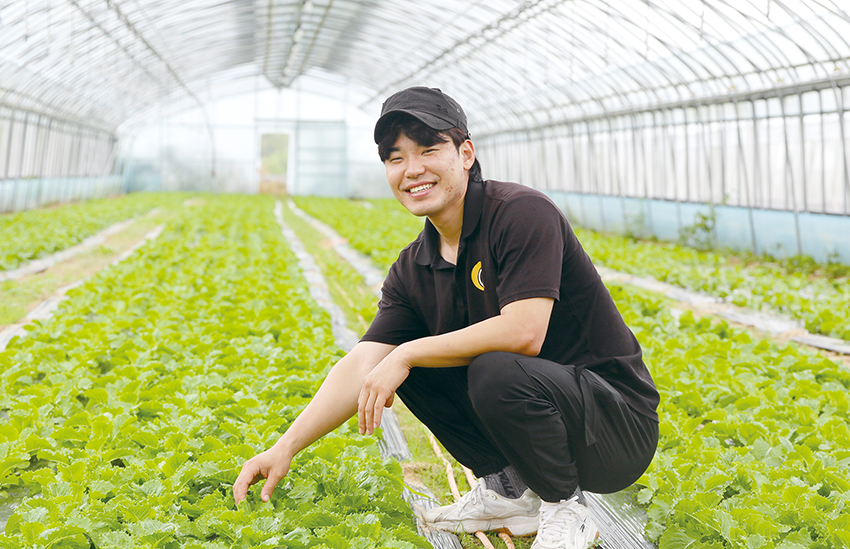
(129, 413)
(820, 301)
(32, 234)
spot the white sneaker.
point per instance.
(565, 525)
(482, 509)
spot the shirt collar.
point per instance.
(429, 251)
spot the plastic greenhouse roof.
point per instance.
(528, 64)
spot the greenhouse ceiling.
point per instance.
(100, 63)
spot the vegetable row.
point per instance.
(125, 418)
(821, 303)
(755, 444)
(377, 228)
(33, 234)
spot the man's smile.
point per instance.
(420, 188)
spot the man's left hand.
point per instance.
(378, 391)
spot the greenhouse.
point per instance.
(212, 247)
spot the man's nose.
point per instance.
(414, 167)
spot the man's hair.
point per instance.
(425, 136)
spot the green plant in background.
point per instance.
(377, 228)
(702, 233)
(36, 233)
(636, 225)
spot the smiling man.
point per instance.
(496, 331)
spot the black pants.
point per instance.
(559, 426)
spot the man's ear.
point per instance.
(467, 152)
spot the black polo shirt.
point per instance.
(515, 244)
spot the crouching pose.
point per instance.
(496, 331)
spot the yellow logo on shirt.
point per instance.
(477, 280)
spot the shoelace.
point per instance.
(474, 496)
(555, 521)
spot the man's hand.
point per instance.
(272, 465)
(333, 404)
(378, 391)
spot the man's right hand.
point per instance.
(333, 404)
(272, 465)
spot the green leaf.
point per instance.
(799, 539)
(674, 538)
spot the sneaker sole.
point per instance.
(513, 526)
(596, 543)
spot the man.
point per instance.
(496, 331)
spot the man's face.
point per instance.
(429, 180)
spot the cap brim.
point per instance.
(429, 120)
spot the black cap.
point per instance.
(430, 106)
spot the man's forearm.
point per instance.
(334, 402)
(521, 328)
(332, 405)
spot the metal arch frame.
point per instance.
(288, 79)
(689, 63)
(665, 73)
(494, 27)
(657, 66)
(503, 21)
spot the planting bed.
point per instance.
(819, 297)
(35, 233)
(126, 417)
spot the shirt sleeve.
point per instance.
(529, 249)
(397, 321)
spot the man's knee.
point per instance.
(494, 380)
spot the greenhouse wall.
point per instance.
(45, 159)
(774, 232)
(777, 150)
(769, 170)
(25, 194)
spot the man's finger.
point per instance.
(379, 410)
(361, 415)
(271, 481)
(244, 480)
(368, 412)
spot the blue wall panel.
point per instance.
(823, 237)
(24, 194)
